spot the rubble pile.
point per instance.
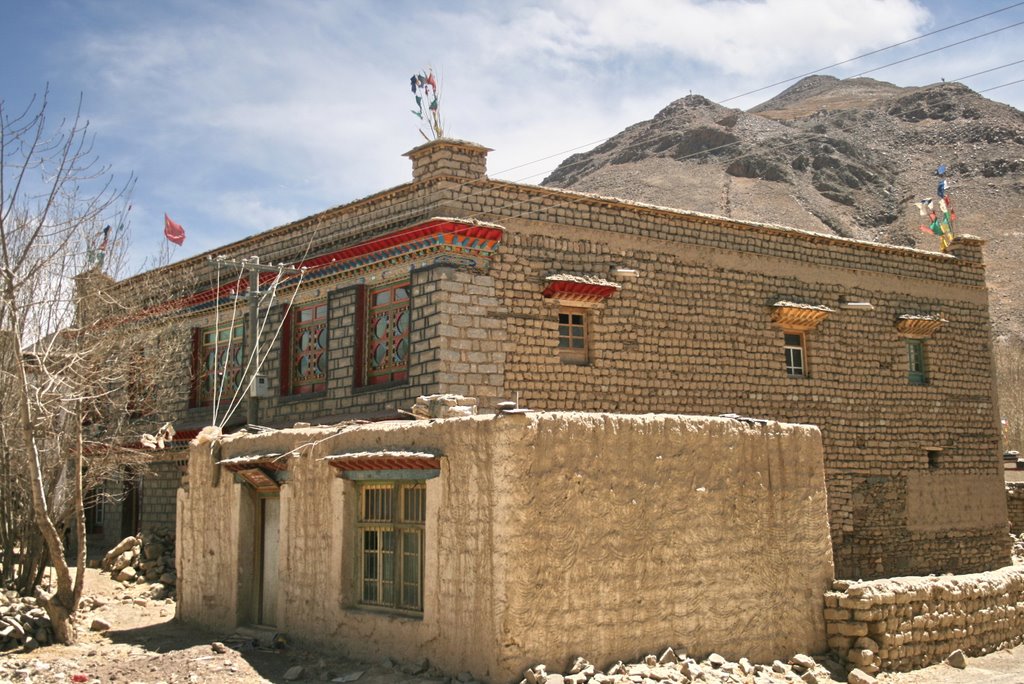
(1018, 548)
(148, 557)
(674, 666)
(23, 623)
(444, 406)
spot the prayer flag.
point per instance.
(173, 231)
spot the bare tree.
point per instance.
(71, 342)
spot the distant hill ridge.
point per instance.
(844, 157)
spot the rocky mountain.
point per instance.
(845, 157)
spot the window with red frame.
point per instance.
(308, 339)
(387, 333)
(220, 357)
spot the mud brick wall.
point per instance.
(1015, 506)
(912, 622)
(532, 516)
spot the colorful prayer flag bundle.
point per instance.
(428, 102)
(939, 212)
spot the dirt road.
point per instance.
(145, 644)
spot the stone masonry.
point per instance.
(907, 623)
(1015, 506)
(913, 472)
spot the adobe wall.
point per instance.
(547, 535)
(907, 623)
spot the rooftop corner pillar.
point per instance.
(966, 247)
(451, 165)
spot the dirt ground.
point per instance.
(145, 644)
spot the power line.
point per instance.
(979, 73)
(873, 52)
(1019, 80)
(929, 52)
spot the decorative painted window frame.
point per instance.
(293, 351)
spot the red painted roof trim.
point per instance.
(448, 230)
(567, 289)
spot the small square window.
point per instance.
(572, 336)
(796, 361)
(916, 363)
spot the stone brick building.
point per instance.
(459, 283)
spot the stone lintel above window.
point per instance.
(919, 326)
(578, 290)
(797, 317)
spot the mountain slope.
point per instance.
(840, 157)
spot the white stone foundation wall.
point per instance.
(905, 623)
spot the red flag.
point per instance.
(173, 231)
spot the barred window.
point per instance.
(391, 522)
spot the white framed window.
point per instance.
(794, 345)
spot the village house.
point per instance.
(458, 283)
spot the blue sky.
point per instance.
(236, 117)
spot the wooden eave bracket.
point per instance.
(578, 290)
(919, 326)
(383, 460)
(262, 472)
(798, 317)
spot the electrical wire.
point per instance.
(873, 52)
(1003, 86)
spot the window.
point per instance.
(387, 348)
(796, 364)
(221, 360)
(390, 530)
(572, 336)
(917, 370)
(307, 340)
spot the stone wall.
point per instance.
(160, 492)
(547, 535)
(1015, 506)
(907, 623)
